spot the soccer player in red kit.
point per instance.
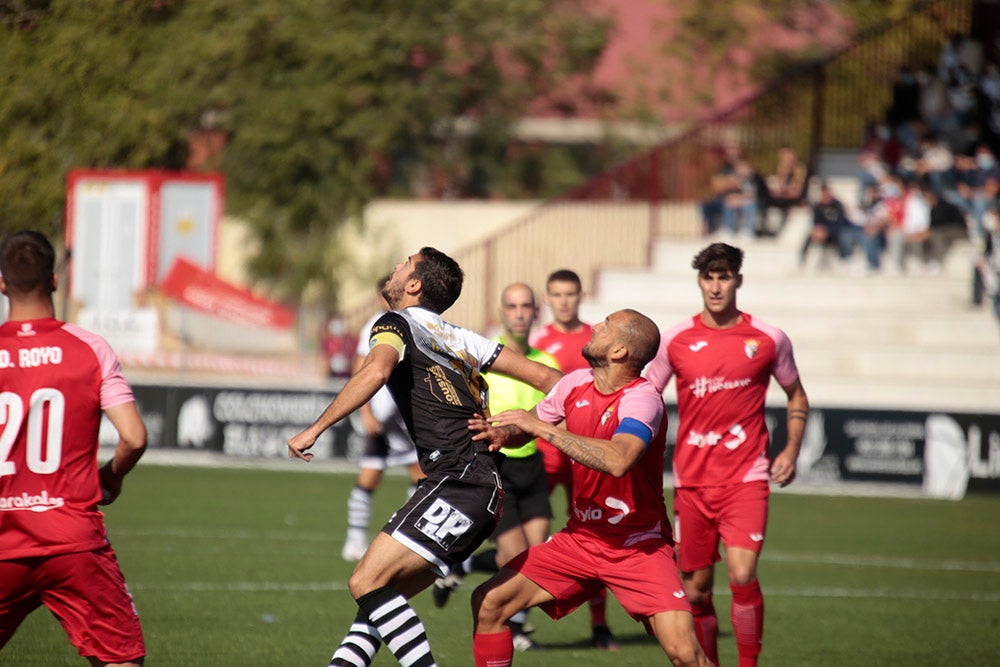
(618, 530)
(723, 360)
(564, 338)
(57, 379)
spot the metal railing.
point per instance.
(614, 218)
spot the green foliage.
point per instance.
(242, 567)
(315, 99)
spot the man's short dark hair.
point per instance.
(27, 262)
(564, 276)
(441, 279)
(718, 257)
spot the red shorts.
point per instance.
(558, 467)
(736, 514)
(574, 568)
(85, 591)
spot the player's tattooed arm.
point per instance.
(798, 414)
(579, 449)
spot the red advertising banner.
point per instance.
(201, 290)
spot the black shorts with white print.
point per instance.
(449, 516)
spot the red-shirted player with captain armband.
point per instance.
(723, 360)
(564, 338)
(618, 533)
(56, 380)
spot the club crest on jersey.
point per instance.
(607, 415)
(26, 329)
(750, 347)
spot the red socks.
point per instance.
(747, 615)
(599, 608)
(495, 649)
(706, 627)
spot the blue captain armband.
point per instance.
(635, 427)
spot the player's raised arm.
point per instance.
(372, 375)
(519, 367)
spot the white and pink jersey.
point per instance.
(55, 379)
(722, 377)
(621, 511)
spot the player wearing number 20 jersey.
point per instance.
(51, 410)
(55, 381)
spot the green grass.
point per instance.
(242, 567)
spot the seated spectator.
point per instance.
(786, 188)
(935, 164)
(829, 219)
(948, 225)
(734, 204)
(873, 172)
(977, 186)
(869, 233)
(913, 233)
(722, 184)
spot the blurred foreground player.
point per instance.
(57, 379)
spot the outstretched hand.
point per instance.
(483, 431)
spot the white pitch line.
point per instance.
(881, 594)
(243, 587)
(819, 593)
(226, 534)
(843, 560)
(895, 563)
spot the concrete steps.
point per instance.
(883, 341)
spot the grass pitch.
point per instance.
(242, 567)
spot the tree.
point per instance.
(314, 98)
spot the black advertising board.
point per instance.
(236, 421)
(946, 453)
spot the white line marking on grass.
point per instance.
(225, 534)
(244, 587)
(876, 593)
(849, 560)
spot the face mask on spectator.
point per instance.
(985, 161)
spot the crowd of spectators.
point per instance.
(929, 176)
(742, 198)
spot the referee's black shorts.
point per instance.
(526, 495)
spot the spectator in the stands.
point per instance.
(734, 203)
(829, 220)
(882, 210)
(948, 225)
(912, 234)
(977, 186)
(786, 188)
